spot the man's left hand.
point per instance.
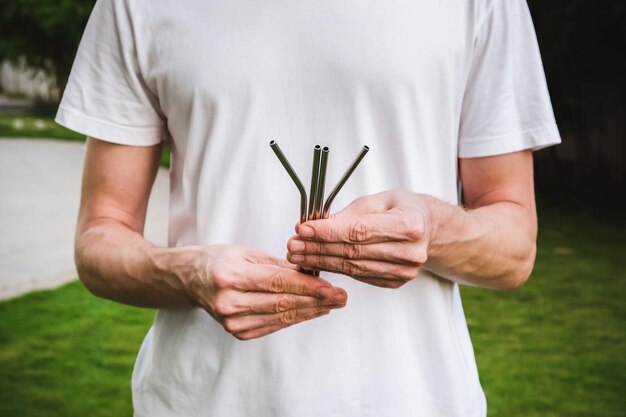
(380, 239)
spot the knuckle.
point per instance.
(319, 302)
(352, 251)
(332, 233)
(352, 268)
(359, 232)
(421, 257)
(222, 307)
(221, 277)
(413, 229)
(302, 288)
(407, 274)
(284, 303)
(232, 326)
(278, 283)
(288, 318)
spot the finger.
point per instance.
(357, 268)
(367, 228)
(264, 331)
(238, 325)
(272, 279)
(381, 282)
(235, 303)
(397, 252)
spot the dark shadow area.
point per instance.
(582, 45)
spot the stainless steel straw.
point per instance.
(319, 197)
(315, 172)
(342, 181)
(283, 160)
(321, 182)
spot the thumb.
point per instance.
(263, 258)
(369, 204)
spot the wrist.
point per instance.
(178, 268)
(437, 215)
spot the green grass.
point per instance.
(65, 353)
(39, 123)
(553, 348)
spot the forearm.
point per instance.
(115, 262)
(492, 246)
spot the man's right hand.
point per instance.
(252, 294)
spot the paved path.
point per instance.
(39, 196)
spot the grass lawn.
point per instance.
(39, 123)
(556, 347)
(65, 353)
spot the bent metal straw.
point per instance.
(343, 181)
(318, 209)
(283, 160)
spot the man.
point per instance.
(440, 91)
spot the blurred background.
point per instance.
(555, 347)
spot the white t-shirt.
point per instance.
(421, 82)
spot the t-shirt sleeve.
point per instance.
(107, 96)
(506, 104)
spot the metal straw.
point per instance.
(319, 197)
(342, 181)
(321, 182)
(315, 172)
(283, 160)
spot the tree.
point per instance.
(43, 34)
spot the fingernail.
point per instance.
(306, 231)
(296, 246)
(296, 258)
(325, 292)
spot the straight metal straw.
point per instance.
(315, 172)
(283, 160)
(342, 182)
(321, 183)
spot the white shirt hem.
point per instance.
(107, 131)
(533, 139)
